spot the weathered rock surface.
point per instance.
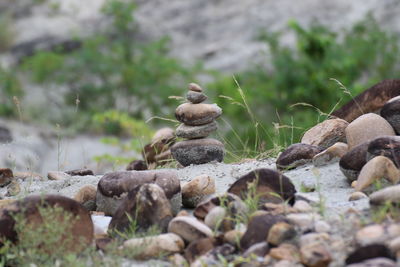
(331, 154)
(195, 97)
(390, 194)
(114, 187)
(326, 133)
(189, 228)
(233, 205)
(198, 151)
(268, 184)
(371, 100)
(377, 168)
(367, 127)
(297, 155)
(199, 247)
(80, 172)
(353, 161)
(6, 176)
(388, 146)
(193, 132)
(155, 246)
(147, 205)
(315, 255)
(365, 253)
(197, 114)
(280, 232)
(391, 112)
(194, 191)
(80, 232)
(258, 228)
(371, 234)
(137, 165)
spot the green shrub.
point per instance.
(357, 57)
(114, 70)
(10, 92)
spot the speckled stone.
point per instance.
(193, 132)
(198, 151)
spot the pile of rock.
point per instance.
(198, 122)
(366, 146)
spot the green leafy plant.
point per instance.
(114, 70)
(297, 91)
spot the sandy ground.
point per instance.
(332, 187)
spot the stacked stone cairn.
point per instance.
(198, 122)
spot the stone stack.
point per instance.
(198, 122)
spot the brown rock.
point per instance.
(371, 100)
(80, 172)
(194, 191)
(285, 252)
(366, 128)
(147, 205)
(164, 135)
(215, 218)
(315, 255)
(189, 228)
(371, 234)
(6, 175)
(389, 194)
(326, 133)
(79, 234)
(258, 228)
(155, 246)
(13, 189)
(56, 175)
(353, 161)
(195, 87)
(388, 146)
(85, 194)
(296, 155)
(195, 97)
(331, 154)
(113, 187)
(232, 203)
(137, 165)
(258, 250)
(233, 237)
(280, 232)
(213, 257)
(369, 252)
(197, 114)
(199, 247)
(357, 196)
(268, 185)
(375, 262)
(377, 168)
(390, 111)
(150, 151)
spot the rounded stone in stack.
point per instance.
(198, 151)
(194, 132)
(198, 122)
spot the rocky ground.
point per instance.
(330, 200)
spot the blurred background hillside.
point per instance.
(86, 83)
